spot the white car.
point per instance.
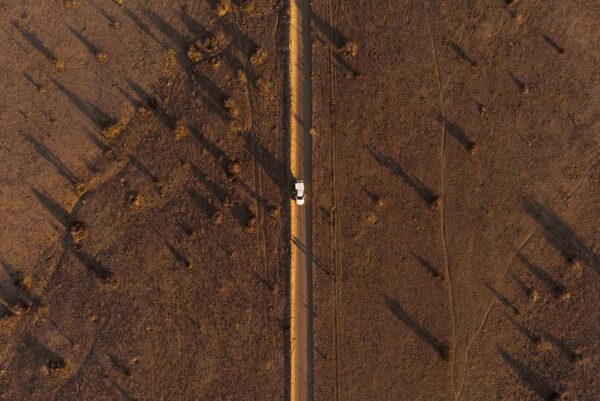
(299, 195)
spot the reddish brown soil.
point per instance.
(144, 200)
(415, 243)
(144, 223)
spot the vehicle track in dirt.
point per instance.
(443, 157)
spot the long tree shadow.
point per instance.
(275, 168)
(550, 42)
(374, 197)
(424, 192)
(139, 166)
(218, 192)
(346, 65)
(69, 242)
(261, 280)
(119, 364)
(98, 117)
(151, 102)
(53, 207)
(181, 260)
(93, 361)
(211, 95)
(529, 334)
(109, 18)
(132, 16)
(519, 82)
(43, 354)
(560, 235)
(337, 39)
(525, 288)
(335, 36)
(439, 346)
(239, 40)
(503, 300)
(16, 295)
(261, 200)
(91, 47)
(554, 287)
(216, 152)
(302, 247)
(564, 348)
(427, 266)
(141, 25)
(136, 103)
(461, 53)
(242, 213)
(125, 393)
(529, 377)
(94, 266)
(102, 147)
(178, 39)
(205, 205)
(34, 41)
(246, 45)
(38, 85)
(47, 154)
(457, 132)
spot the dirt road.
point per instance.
(301, 216)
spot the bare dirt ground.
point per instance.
(456, 197)
(143, 201)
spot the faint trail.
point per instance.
(260, 211)
(487, 312)
(78, 388)
(336, 264)
(257, 184)
(443, 197)
(261, 232)
(583, 177)
(502, 278)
